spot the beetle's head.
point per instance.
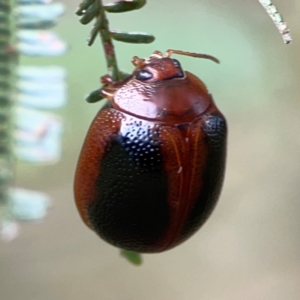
(159, 67)
(160, 90)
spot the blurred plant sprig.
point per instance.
(90, 10)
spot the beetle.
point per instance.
(152, 165)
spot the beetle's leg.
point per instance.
(110, 86)
(106, 79)
(108, 92)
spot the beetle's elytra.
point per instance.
(152, 164)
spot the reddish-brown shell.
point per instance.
(152, 165)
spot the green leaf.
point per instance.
(132, 37)
(94, 32)
(90, 14)
(5, 100)
(124, 6)
(94, 96)
(5, 7)
(4, 17)
(36, 24)
(133, 257)
(83, 7)
(4, 31)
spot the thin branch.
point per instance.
(102, 27)
(277, 19)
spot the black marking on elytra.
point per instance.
(131, 209)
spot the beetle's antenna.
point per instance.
(192, 54)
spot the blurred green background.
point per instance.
(250, 247)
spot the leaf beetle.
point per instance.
(152, 165)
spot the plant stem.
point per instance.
(108, 47)
(8, 60)
(277, 20)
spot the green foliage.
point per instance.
(83, 6)
(124, 6)
(89, 14)
(94, 96)
(132, 257)
(132, 37)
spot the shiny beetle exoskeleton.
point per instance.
(152, 165)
